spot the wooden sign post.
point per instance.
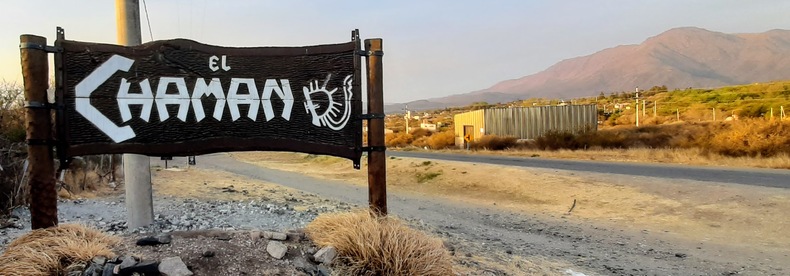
(38, 118)
(377, 160)
(183, 98)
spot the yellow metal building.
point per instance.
(524, 122)
(470, 123)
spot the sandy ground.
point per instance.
(210, 184)
(734, 222)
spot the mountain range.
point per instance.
(678, 58)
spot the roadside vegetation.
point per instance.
(12, 147)
(734, 125)
(84, 177)
(371, 245)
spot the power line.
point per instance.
(145, 7)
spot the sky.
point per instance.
(432, 48)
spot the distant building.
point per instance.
(431, 127)
(524, 122)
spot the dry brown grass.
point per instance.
(371, 245)
(399, 139)
(441, 140)
(493, 142)
(750, 142)
(721, 214)
(50, 251)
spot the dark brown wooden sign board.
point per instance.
(183, 98)
(180, 98)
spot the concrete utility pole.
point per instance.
(655, 108)
(637, 106)
(136, 168)
(644, 108)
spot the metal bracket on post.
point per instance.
(45, 48)
(38, 105)
(371, 116)
(370, 53)
(40, 142)
(374, 148)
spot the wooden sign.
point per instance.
(180, 98)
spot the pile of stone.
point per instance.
(130, 266)
(318, 263)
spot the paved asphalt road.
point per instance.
(760, 177)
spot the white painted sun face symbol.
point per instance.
(329, 115)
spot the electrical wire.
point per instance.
(145, 7)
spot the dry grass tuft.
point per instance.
(49, 251)
(371, 245)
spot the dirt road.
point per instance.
(498, 234)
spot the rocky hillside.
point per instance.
(678, 58)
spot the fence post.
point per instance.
(377, 166)
(38, 123)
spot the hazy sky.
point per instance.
(432, 48)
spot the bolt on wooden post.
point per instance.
(38, 123)
(377, 160)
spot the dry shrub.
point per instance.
(442, 140)
(750, 137)
(372, 245)
(421, 142)
(420, 132)
(554, 140)
(493, 142)
(50, 251)
(399, 139)
(755, 137)
(12, 112)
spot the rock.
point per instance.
(93, 269)
(680, 255)
(126, 262)
(208, 254)
(275, 236)
(448, 245)
(109, 270)
(324, 270)
(305, 266)
(173, 266)
(99, 260)
(141, 268)
(157, 240)
(164, 238)
(223, 236)
(276, 249)
(295, 235)
(255, 234)
(325, 255)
